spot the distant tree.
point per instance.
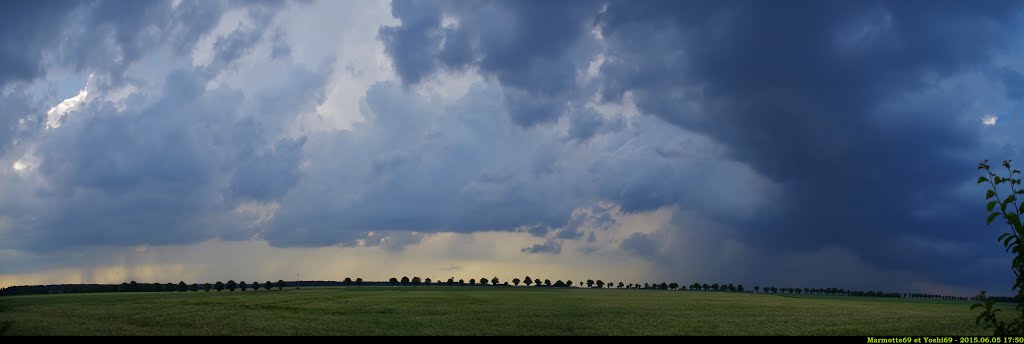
(484, 281)
(547, 282)
(231, 285)
(255, 286)
(359, 281)
(807, 291)
(798, 291)
(347, 282)
(170, 287)
(620, 285)
(280, 284)
(515, 281)
(206, 286)
(590, 283)
(416, 281)
(405, 280)
(472, 281)
(267, 285)
(451, 281)
(559, 284)
(219, 286)
(664, 285)
(393, 281)
(494, 280)
(715, 287)
(528, 281)
(427, 281)
(241, 285)
(581, 284)
(194, 287)
(462, 282)
(732, 287)
(705, 286)
(133, 286)
(568, 283)
(600, 284)
(672, 285)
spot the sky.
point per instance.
(788, 144)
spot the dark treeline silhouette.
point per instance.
(416, 281)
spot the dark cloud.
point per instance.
(640, 244)
(549, 246)
(835, 102)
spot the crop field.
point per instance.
(480, 311)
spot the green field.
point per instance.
(480, 311)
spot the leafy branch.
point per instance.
(1011, 241)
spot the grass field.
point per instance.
(480, 311)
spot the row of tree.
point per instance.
(181, 286)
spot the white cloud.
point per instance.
(56, 114)
(989, 120)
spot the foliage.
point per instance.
(1010, 210)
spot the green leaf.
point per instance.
(991, 217)
(990, 194)
(982, 180)
(990, 206)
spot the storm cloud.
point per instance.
(757, 134)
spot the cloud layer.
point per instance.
(820, 131)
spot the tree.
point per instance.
(590, 283)
(739, 288)
(494, 280)
(267, 285)
(472, 281)
(133, 286)
(405, 280)
(568, 283)
(451, 281)
(426, 281)
(559, 284)
(241, 285)
(528, 281)
(416, 281)
(483, 281)
(620, 285)
(280, 284)
(347, 281)
(220, 286)
(393, 281)
(600, 284)
(255, 286)
(231, 285)
(195, 287)
(359, 281)
(705, 286)
(515, 281)
(206, 286)
(462, 282)
(672, 285)
(581, 284)
(1011, 240)
(732, 287)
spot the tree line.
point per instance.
(415, 281)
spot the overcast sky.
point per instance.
(788, 144)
